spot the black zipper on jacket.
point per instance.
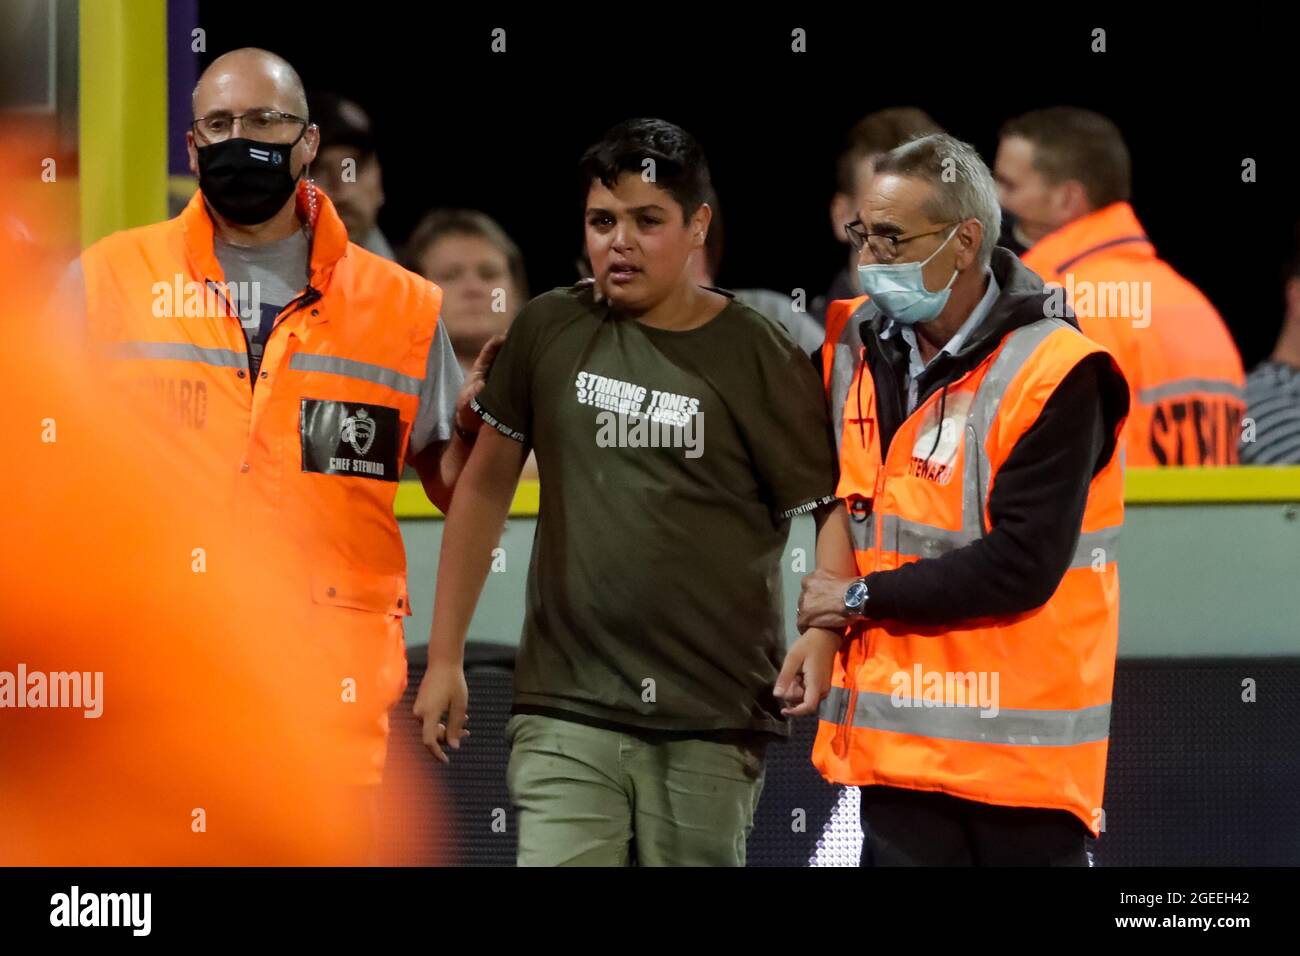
(888, 400)
(308, 296)
(305, 298)
(232, 313)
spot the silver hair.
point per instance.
(962, 186)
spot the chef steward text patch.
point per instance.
(347, 438)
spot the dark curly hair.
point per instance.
(679, 164)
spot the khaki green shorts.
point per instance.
(587, 796)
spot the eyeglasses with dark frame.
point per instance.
(271, 126)
(884, 248)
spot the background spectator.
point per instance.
(874, 134)
(480, 270)
(1273, 389)
(347, 168)
(806, 331)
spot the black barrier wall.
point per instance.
(1195, 778)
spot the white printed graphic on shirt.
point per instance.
(627, 398)
(633, 416)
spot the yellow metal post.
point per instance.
(123, 118)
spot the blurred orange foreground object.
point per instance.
(224, 735)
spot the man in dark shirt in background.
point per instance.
(347, 167)
(874, 135)
(644, 689)
(1271, 435)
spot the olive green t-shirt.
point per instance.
(670, 465)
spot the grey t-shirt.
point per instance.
(260, 282)
(806, 331)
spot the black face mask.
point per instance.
(246, 181)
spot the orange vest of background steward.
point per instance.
(1186, 384)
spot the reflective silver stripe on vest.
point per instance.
(180, 352)
(833, 706)
(863, 532)
(1106, 540)
(915, 540)
(1020, 728)
(334, 365)
(1016, 349)
(844, 365)
(1190, 386)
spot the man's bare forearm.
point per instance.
(452, 465)
(439, 467)
(473, 527)
(821, 597)
(834, 543)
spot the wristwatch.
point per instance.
(855, 598)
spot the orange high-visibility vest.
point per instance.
(1186, 383)
(1010, 711)
(313, 449)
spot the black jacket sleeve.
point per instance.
(816, 356)
(1036, 507)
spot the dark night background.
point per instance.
(460, 126)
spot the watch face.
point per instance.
(856, 595)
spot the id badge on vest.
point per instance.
(350, 438)
(936, 450)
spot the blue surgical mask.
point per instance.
(899, 289)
